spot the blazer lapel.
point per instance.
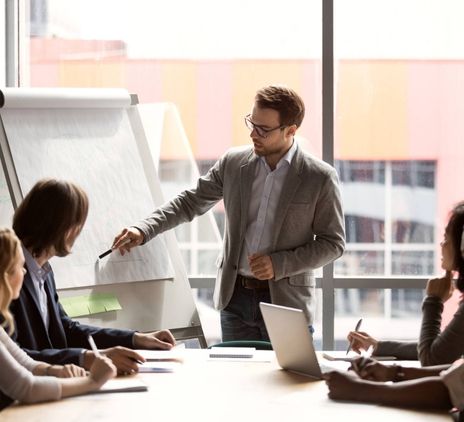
(28, 285)
(291, 184)
(55, 327)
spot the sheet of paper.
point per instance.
(122, 385)
(97, 149)
(176, 354)
(341, 355)
(232, 352)
(159, 367)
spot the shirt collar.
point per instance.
(33, 267)
(286, 158)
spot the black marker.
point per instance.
(128, 240)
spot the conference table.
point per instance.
(205, 389)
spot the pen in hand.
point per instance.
(359, 364)
(93, 346)
(358, 326)
(128, 240)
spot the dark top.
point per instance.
(65, 339)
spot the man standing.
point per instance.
(283, 218)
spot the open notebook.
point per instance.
(340, 355)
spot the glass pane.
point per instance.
(205, 67)
(6, 207)
(362, 262)
(412, 263)
(396, 98)
(387, 314)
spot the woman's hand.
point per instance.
(67, 371)
(370, 369)
(102, 370)
(441, 287)
(360, 340)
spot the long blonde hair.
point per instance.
(9, 245)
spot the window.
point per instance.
(398, 102)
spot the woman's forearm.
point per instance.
(422, 393)
(428, 371)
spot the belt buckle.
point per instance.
(252, 283)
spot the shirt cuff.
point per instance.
(81, 358)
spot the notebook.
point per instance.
(121, 385)
(340, 355)
(232, 352)
(291, 340)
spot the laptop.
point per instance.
(291, 340)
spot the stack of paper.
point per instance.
(232, 352)
(122, 385)
(161, 360)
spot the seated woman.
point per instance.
(433, 387)
(435, 346)
(22, 378)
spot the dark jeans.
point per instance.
(242, 319)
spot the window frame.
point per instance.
(13, 74)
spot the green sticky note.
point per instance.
(112, 304)
(90, 304)
(96, 304)
(75, 306)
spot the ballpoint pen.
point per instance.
(93, 346)
(358, 326)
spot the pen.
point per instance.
(128, 240)
(358, 326)
(93, 346)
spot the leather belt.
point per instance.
(252, 283)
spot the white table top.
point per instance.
(220, 390)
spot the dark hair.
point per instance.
(48, 212)
(454, 230)
(285, 101)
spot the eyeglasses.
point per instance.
(260, 131)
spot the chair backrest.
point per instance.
(257, 344)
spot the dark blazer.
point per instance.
(65, 338)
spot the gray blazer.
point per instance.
(308, 231)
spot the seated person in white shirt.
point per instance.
(22, 378)
(432, 387)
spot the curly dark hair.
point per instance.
(454, 230)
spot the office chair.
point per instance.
(257, 344)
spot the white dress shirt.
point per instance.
(265, 195)
(38, 276)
